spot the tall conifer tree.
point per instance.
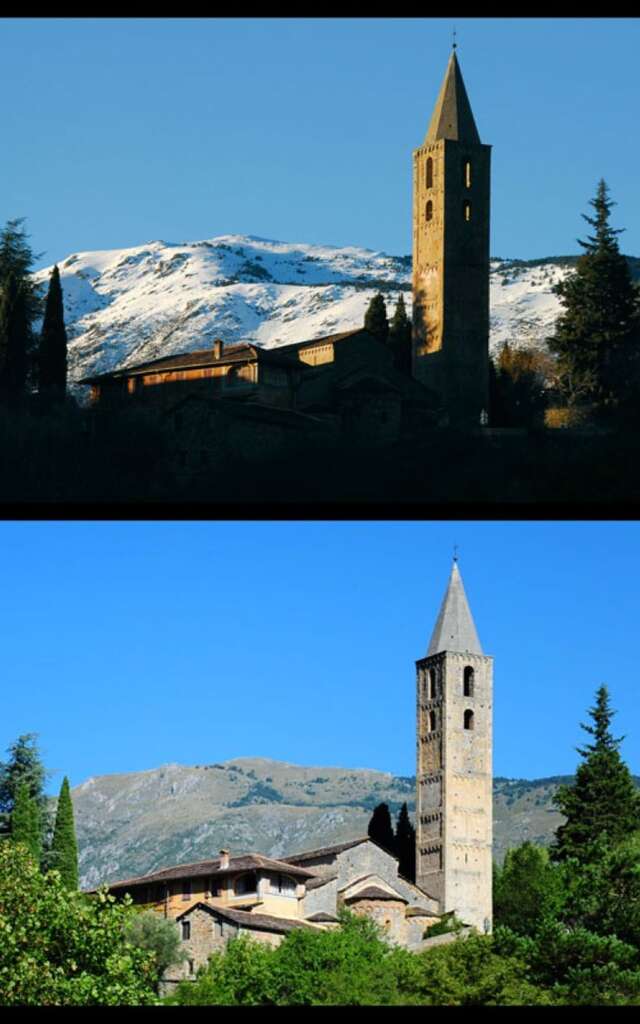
(603, 801)
(400, 336)
(25, 822)
(53, 343)
(14, 339)
(596, 337)
(64, 847)
(380, 828)
(406, 844)
(375, 318)
(24, 764)
(16, 260)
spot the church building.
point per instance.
(265, 897)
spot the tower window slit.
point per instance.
(466, 210)
(467, 685)
(432, 721)
(467, 173)
(429, 211)
(468, 719)
(432, 683)
(429, 173)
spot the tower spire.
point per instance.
(452, 117)
(455, 629)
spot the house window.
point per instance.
(186, 930)
(283, 884)
(429, 173)
(247, 883)
(429, 210)
(214, 887)
(131, 385)
(186, 889)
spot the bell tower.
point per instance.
(454, 764)
(451, 194)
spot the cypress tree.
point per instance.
(380, 828)
(53, 342)
(64, 848)
(406, 844)
(596, 338)
(25, 822)
(603, 800)
(14, 339)
(400, 336)
(375, 318)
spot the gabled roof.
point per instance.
(243, 352)
(452, 117)
(326, 851)
(261, 922)
(455, 629)
(319, 881)
(374, 892)
(246, 862)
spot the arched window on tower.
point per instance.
(467, 684)
(429, 210)
(466, 209)
(468, 719)
(467, 173)
(432, 683)
(429, 172)
(432, 721)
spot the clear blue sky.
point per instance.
(130, 645)
(123, 131)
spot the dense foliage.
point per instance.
(23, 765)
(20, 305)
(375, 318)
(26, 827)
(519, 387)
(60, 948)
(159, 936)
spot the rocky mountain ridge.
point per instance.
(129, 824)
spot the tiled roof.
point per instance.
(374, 892)
(322, 916)
(419, 912)
(240, 353)
(319, 880)
(246, 862)
(247, 919)
(325, 851)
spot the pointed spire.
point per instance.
(452, 117)
(455, 629)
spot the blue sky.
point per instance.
(130, 645)
(122, 131)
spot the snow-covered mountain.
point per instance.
(126, 306)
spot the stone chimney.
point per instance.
(217, 348)
(224, 854)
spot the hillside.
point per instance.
(133, 823)
(125, 306)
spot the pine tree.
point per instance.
(24, 765)
(405, 844)
(380, 828)
(400, 337)
(375, 318)
(603, 800)
(53, 343)
(596, 338)
(14, 340)
(64, 847)
(17, 259)
(25, 822)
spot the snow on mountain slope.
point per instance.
(126, 306)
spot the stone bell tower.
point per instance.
(454, 769)
(451, 189)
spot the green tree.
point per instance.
(17, 260)
(603, 895)
(160, 937)
(62, 948)
(14, 339)
(53, 343)
(603, 799)
(596, 337)
(399, 338)
(405, 844)
(64, 847)
(26, 827)
(518, 387)
(24, 764)
(380, 828)
(527, 889)
(375, 318)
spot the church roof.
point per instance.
(452, 117)
(455, 629)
